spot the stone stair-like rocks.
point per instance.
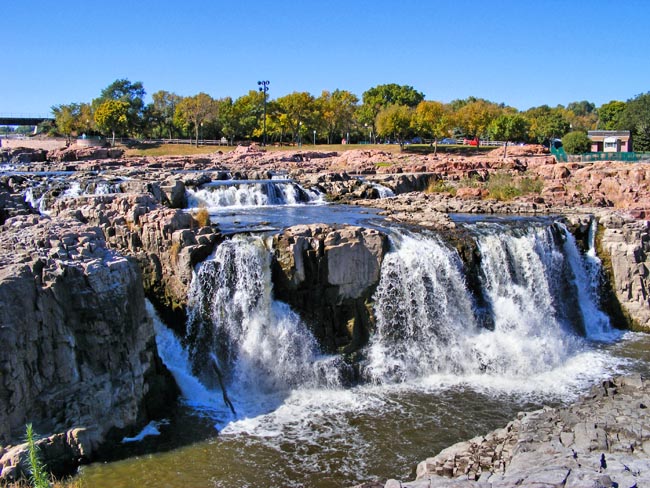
(78, 357)
(601, 441)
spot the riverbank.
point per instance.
(602, 440)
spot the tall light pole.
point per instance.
(299, 135)
(314, 137)
(264, 88)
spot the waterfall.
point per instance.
(258, 344)
(250, 193)
(537, 291)
(422, 310)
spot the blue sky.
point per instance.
(520, 53)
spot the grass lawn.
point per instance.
(188, 150)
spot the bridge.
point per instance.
(24, 119)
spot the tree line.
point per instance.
(389, 112)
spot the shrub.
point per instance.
(501, 187)
(576, 142)
(531, 185)
(440, 186)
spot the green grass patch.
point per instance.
(143, 150)
(531, 185)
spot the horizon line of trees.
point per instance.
(389, 112)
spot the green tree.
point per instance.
(394, 121)
(66, 119)
(195, 111)
(546, 123)
(73, 119)
(609, 115)
(130, 93)
(112, 117)
(509, 127)
(576, 142)
(337, 110)
(636, 118)
(300, 111)
(162, 110)
(249, 111)
(24, 129)
(582, 116)
(475, 117)
(432, 120)
(382, 96)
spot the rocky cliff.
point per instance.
(79, 357)
(624, 247)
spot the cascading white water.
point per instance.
(525, 280)
(587, 270)
(260, 344)
(422, 309)
(537, 293)
(384, 191)
(235, 193)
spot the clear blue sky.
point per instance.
(521, 53)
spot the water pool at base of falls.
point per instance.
(330, 438)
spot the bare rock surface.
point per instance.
(601, 441)
(625, 250)
(167, 243)
(329, 274)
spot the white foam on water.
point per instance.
(176, 359)
(246, 194)
(151, 429)
(428, 337)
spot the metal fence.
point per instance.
(630, 157)
(202, 142)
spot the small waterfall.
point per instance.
(587, 270)
(383, 191)
(537, 291)
(258, 344)
(250, 193)
(34, 201)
